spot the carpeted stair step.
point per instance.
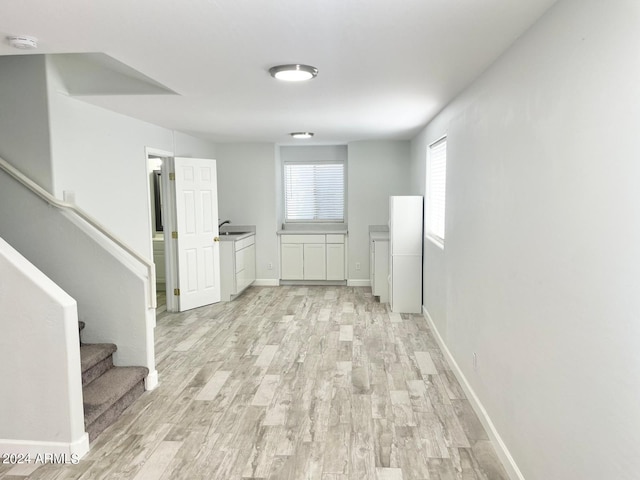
(95, 359)
(106, 397)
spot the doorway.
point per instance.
(159, 222)
(183, 211)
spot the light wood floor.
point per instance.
(292, 383)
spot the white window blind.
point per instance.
(314, 191)
(436, 186)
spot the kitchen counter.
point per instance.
(237, 259)
(378, 232)
(231, 233)
(374, 236)
(232, 237)
(314, 230)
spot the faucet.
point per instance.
(226, 221)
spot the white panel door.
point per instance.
(197, 227)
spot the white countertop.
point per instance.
(232, 237)
(311, 232)
(376, 236)
(318, 229)
(231, 233)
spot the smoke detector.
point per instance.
(23, 42)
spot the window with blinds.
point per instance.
(314, 191)
(436, 186)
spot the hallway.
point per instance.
(293, 383)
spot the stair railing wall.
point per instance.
(114, 287)
(41, 403)
(51, 200)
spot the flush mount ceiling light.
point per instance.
(301, 134)
(293, 73)
(23, 42)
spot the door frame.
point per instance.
(168, 221)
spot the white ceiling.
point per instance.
(385, 68)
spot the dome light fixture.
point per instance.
(293, 72)
(301, 134)
(23, 42)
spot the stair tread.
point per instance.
(93, 353)
(107, 389)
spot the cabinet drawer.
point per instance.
(302, 239)
(335, 238)
(245, 242)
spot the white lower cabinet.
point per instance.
(237, 266)
(335, 261)
(158, 259)
(292, 261)
(314, 261)
(379, 268)
(245, 267)
(312, 257)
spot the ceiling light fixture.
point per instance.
(24, 42)
(301, 134)
(293, 73)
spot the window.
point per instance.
(314, 191)
(436, 186)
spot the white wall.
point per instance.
(247, 196)
(541, 261)
(99, 156)
(110, 289)
(41, 401)
(24, 116)
(376, 170)
(188, 146)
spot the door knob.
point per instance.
(216, 239)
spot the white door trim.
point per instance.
(168, 207)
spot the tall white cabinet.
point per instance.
(405, 253)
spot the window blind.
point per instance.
(314, 191)
(436, 186)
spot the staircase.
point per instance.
(107, 390)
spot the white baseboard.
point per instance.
(266, 282)
(501, 449)
(356, 282)
(151, 382)
(274, 282)
(312, 283)
(48, 452)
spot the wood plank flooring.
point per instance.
(292, 383)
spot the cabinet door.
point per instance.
(291, 261)
(247, 274)
(380, 286)
(315, 261)
(335, 261)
